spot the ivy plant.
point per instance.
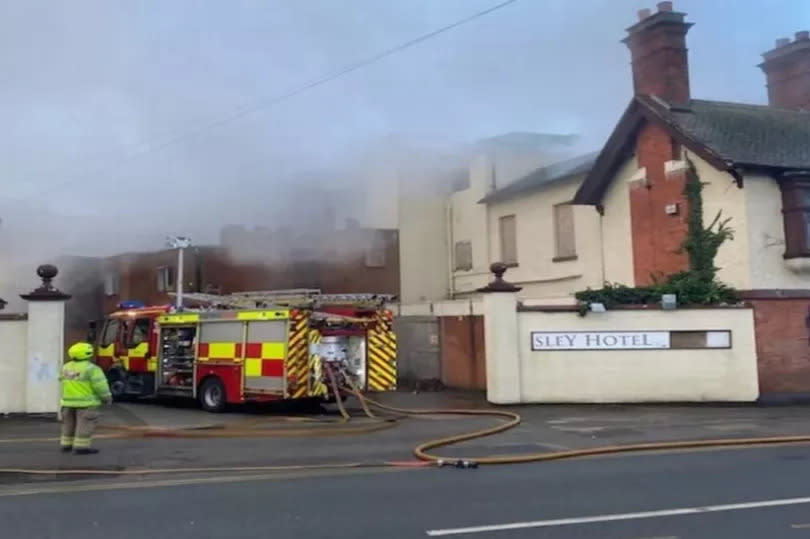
(698, 285)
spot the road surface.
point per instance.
(717, 494)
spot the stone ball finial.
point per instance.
(499, 285)
(498, 269)
(47, 272)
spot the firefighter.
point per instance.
(84, 389)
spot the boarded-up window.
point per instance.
(463, 256)
(375, 254)
(564, 237)
(508, 233)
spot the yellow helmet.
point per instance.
(80, 351)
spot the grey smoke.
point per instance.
(82, 84)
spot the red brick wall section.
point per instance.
(342, 269)
(657, 236)
(462, 352)
(783, 348)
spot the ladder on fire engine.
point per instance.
(285, 298)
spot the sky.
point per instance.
(113, 110)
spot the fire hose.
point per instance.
(421, 451)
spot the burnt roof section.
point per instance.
(727, 135)
(542, 177)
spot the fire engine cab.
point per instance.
(249, 347)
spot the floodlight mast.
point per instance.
(181, 243)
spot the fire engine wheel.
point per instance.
(118, 385)
(212, 395)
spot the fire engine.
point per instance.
(249, 347)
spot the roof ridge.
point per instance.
(684, 107)
(758, 106)
(546, 173)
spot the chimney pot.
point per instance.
(787, 72)
(644, 13)
(658, 54)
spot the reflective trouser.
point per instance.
(78, 425)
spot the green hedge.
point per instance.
(689, 289)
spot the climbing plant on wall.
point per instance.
(698, 285)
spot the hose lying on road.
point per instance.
(513, 420)
(425, 458)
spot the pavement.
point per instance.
(725, 494)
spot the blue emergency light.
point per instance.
(131, 304)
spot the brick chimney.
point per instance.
(787, 70)
(657, 44)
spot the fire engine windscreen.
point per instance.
(348, 352)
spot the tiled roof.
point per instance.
(542, 177)
(730, 136)
(747, 134)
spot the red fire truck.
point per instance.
(257, 346)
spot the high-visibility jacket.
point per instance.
(84, 385)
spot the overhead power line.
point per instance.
(148, 147)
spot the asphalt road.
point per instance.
(735, 493)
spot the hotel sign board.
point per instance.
(629, 340)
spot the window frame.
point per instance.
(376, 255)
(131, 333)
(502, 240)
(559, 255)
(103, 343)
(795, 191)
(167, 284)
(112, 283)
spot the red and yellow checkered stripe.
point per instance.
(105, 356)
(135, 359)
(296, 362)
(219, 351)
(264, 359)
(382, 354)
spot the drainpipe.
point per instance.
(601, 209)
(451, 247)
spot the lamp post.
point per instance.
(180, 243)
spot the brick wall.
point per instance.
(342, 268)
(657, 236)
(783, 348)
(462, 358)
